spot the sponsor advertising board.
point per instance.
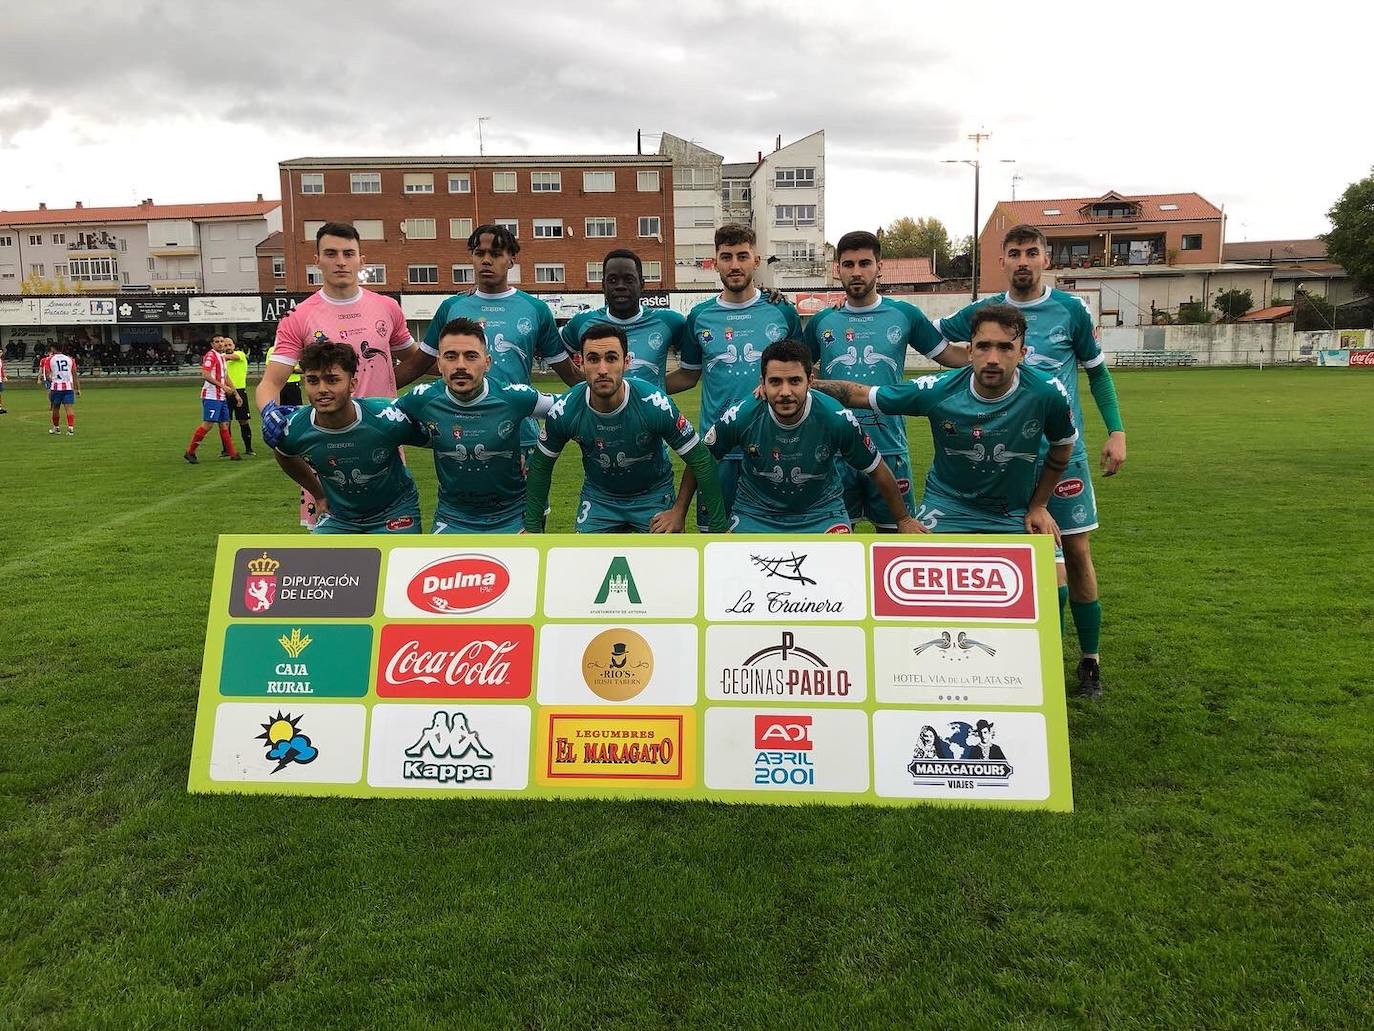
(785, 670)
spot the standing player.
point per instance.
(345, 450)
(1060, 337)
(788, 442)
(726, 338)
(473, 425)
(64, 386)
(3, 409)
(291, 389)
(45, 380)
(624, 427)
(650, 331)
(517, 325)
(866, 341)
(236, 368)
(214, 405)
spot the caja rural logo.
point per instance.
(459, 584)
(993, 582)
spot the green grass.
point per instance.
(1217, 873)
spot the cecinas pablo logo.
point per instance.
(963, 581)
(458, 584)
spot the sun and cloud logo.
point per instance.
(285, 743)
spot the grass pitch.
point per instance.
(1218, 871)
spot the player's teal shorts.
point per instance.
(1073, 503)
(448, 519)
(727, 471)
(944, 515)
(407, 523)
(861, 497)
(602, 513)
(834, 520)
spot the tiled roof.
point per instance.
(1154, 207)
(908, 270)
(137, 213)
(1278, 250)
(274, 242)
(1267, 314)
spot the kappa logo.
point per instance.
(618, 583)
(934, 580)
(965, 757)
(449, 736)
(1070, 488)
(459, 584)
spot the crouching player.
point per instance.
(473, 424)
(788, 441)
(624, 427)
(345, 450)
(987, 420)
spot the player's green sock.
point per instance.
(1087, 620)
(1063, 597)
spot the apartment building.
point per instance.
(415, 214)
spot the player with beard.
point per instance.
(1061, 337)
(651, 332)
(624, 427)
(726, 338)
(473, 425)
(865, 340)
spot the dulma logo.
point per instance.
(458, 584)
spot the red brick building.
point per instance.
(1108, 231)
(415, 214)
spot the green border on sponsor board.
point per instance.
(1046, 624)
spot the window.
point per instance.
(1192, 241)
(124, 278)
(247, 264)
(93, 270)
(647, 182)
(6, 241)
(697, 216)
(35, 239)
(792, 178)
(59, 238)
(688, 177)
(601, 228)
(369, 229)
(60, 270)
(1051, 211)
(598, 182)
(313, 276)
(653, 271)
(1113, 210)
(419, 182)
(1168, 207)
(511, 224)
(311, 228)
(548, 273)
(459, 182)
(546, 182)
(463, 274)
(734, 193)
(1070, 253)
(245, 230)
(278, 267)
(459, 228)
(795, 214)
(217, 233)
(37, 270)
(650, 226)
(7, 272)
(796, 250)
(312, 182)
(422, 274)
(502, 182)
(219, 264)
(548, 229)
(365, 182)
(593, 272)
(372, 274)
(152, 264)
(420, 229)
(513, 276)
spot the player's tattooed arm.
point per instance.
(413, 363)
(567, 371)
(891, 494)
(299, 470)
(848, 393)
(1038, 518)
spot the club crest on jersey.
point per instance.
(505, 429)
(949, 428)
(380, 327)
(894, 335)
(828, 336)
(704, 335)
(1031, 429)
(525, 326)
(655, 340)
(823, 453)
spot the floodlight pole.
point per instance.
(977, 164)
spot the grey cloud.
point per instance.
(18, 116)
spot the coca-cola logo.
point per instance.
(458, 584)
(931, 580)
(1068, 488)
(468, 661)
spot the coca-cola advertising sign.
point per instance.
(469, 661)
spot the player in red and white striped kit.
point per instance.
(214, 405)
(63, 388)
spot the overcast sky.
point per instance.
(1264, 111)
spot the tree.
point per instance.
(1233, 304)
(917, 238)
(1312, 312)
(1193, 313)
(1351, 241)
(961, 261)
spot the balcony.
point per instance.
(171, 282)
(92, 243)
(174, 250)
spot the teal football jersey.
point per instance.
(868, 345)
(477, 443)
(1060, 336)
(651, 334)
(725, 341)
(625, 452)
(986, 452)
(788, 470)
(359, 466)
(518, 327)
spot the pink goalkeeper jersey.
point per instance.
(213, 363)
(370, 323)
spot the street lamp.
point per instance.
(977, 138)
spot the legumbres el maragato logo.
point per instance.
(991, 582)
(458, 584)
